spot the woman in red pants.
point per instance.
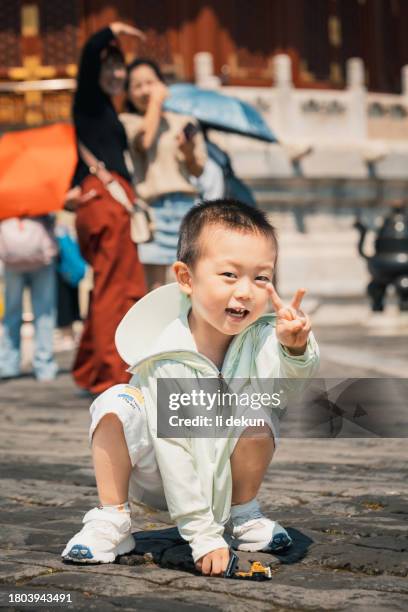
(102, 223)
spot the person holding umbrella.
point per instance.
(166, 149)
(215, 110)
(102, 222)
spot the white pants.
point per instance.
(127, 403)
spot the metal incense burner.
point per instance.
(389, 264)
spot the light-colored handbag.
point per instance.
(141, 217)
(26, 243)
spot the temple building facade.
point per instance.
(330, 77)
(41, 40)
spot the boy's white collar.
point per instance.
(143, 324)
(156, 323)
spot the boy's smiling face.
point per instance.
(227, 282)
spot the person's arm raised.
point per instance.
(90, 66)
(90, 63)
(118, 28)
(292, 351)
(193, 151)
(151, 119)
(292, 325)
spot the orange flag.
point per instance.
(36, 168)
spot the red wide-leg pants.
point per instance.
(103, 229)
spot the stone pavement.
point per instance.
(344, 501)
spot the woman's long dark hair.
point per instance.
(141, 61)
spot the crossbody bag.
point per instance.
(141, 217)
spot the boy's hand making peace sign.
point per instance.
(292, 326)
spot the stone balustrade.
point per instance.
(349, 133)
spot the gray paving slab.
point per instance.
(345, 502)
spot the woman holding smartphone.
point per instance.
(166, 149)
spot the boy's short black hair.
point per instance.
(231, 214)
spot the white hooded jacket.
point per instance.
(196, 472)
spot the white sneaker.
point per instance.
(105, 535)
(252, 531)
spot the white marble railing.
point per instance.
(349, 132)
(387, 116)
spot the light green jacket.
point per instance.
(196, 472)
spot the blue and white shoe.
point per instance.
(252, 531)
(104, 536)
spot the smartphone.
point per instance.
(190, 130)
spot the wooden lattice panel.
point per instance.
(251, 28)
(59, 23)
(10, 51)
(12, 109)
(154, 19)
(56, 106)
(157, 47)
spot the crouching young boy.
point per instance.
(226, 258)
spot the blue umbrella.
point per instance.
(217, 111)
